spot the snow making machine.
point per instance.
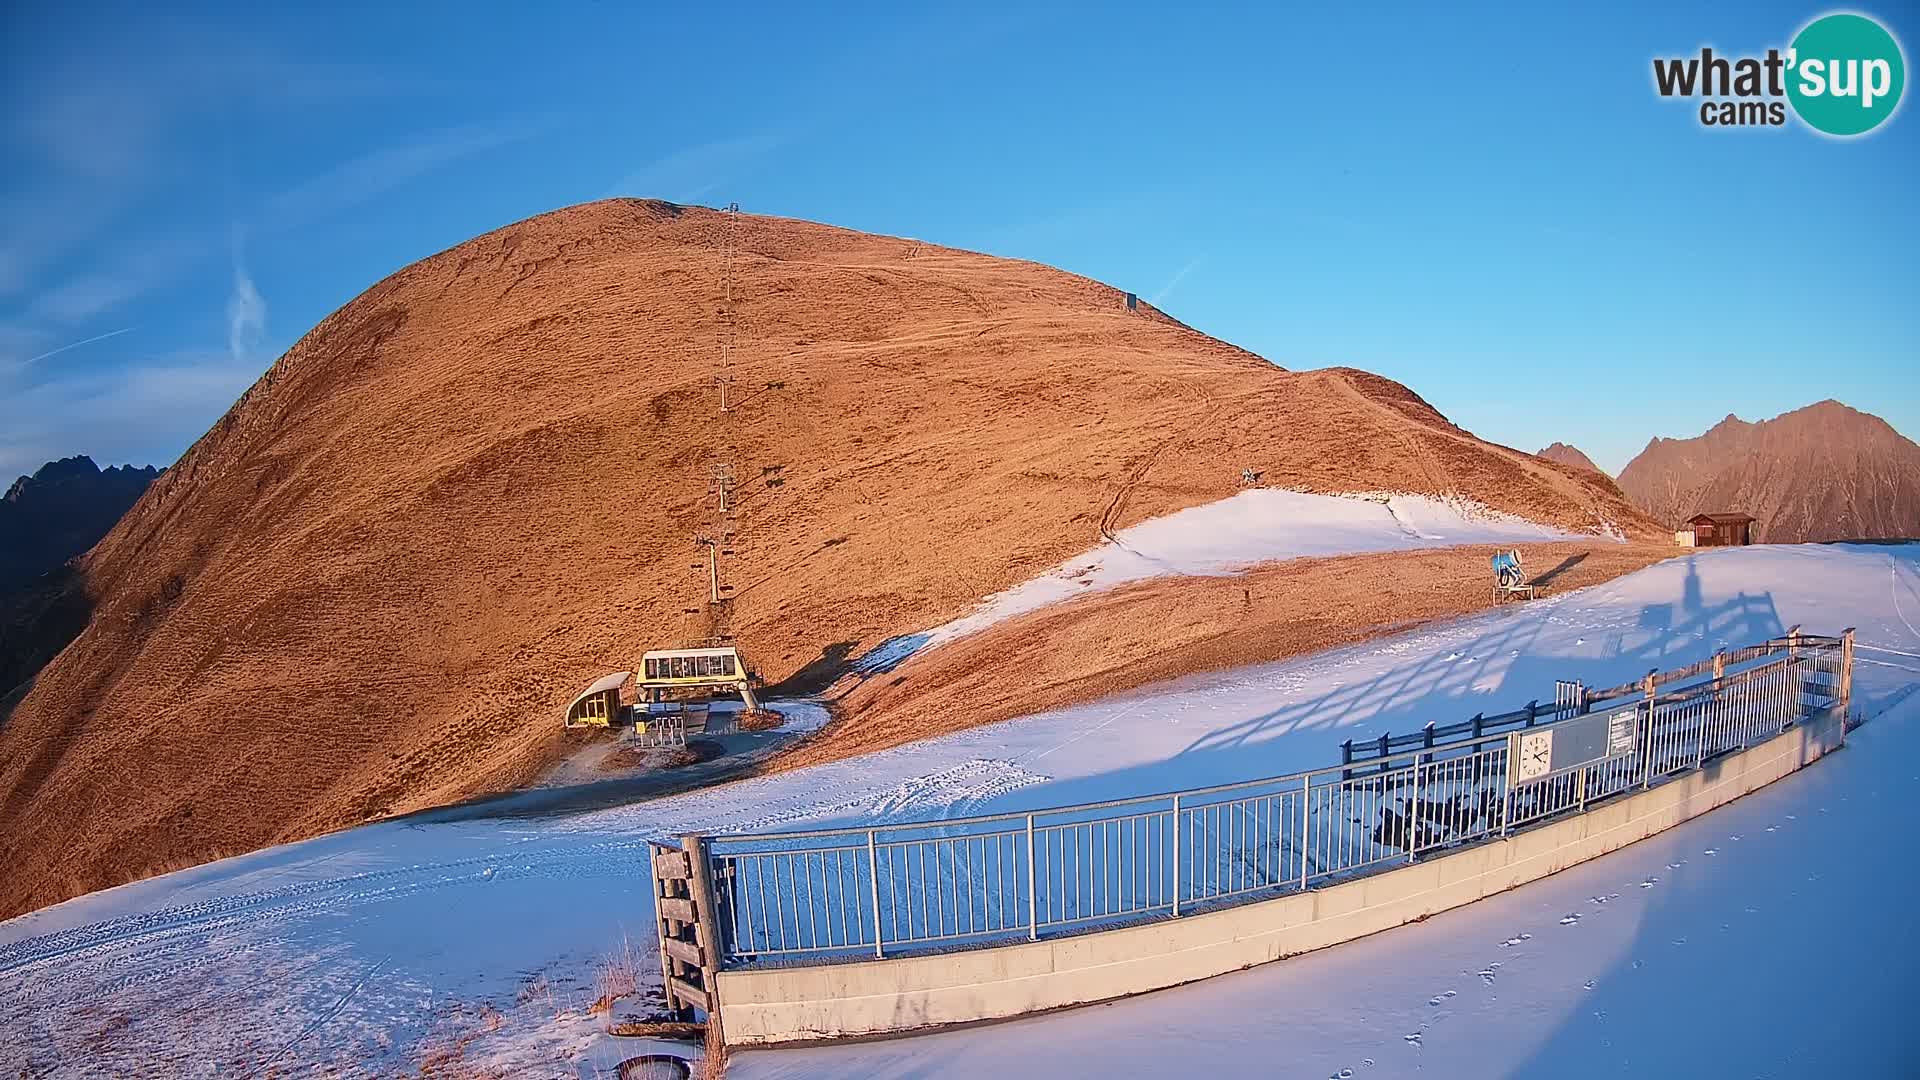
(1510, 578)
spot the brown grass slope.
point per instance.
(370, 587)
(1824, 472)
(1165, 628)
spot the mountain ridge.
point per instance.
(1825, 471)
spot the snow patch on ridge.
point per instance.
(1229, 536)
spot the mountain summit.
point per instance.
(1570, 456)
(1824, 472)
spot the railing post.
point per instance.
(1846, 681)
(1346, 758)
(1386, 747)
(873, 880)
(1580, 788)
(1646, 763)
(1427, 742)
(1176, 854)
(706, 923)
(1306, 795)
(1413, 805)
(1033, 887)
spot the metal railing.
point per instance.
(853, 892)
(1569, 700)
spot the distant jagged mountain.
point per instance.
(60, 511)
(1825, 472)
(1563, 454)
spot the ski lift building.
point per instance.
(599, 704)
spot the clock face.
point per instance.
(1535, 755)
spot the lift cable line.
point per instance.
(721, 527)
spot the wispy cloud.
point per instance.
(1174, 281)
(363, 178)
(49, 354)
(686, 174)
(145, 412)
(121, 276)
(246, 313)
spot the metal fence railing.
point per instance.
(1569, 699)
(888, 889)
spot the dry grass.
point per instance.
(1165, 628)
(373, 584)
(617, 976)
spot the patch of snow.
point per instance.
(800, 716)
(1228, 536)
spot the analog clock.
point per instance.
(1533, 754)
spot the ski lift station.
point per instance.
(663, 674)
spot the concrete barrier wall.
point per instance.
(882, 997)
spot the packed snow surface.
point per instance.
(1766, 938)
(1255, 526)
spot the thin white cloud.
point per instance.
(145, 412)
(86, 296)
(246, 315)
(1172, 283)
(127, 274)
(691, 172)
(76, 344)
(361, 179)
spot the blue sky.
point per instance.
(1490, 205)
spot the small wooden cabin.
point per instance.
(1721, 530)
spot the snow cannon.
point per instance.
(1509, 580)
(1506, 569)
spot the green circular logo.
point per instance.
(1845, 74)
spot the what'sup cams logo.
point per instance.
(1842, 76)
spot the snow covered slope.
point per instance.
(1255, 526)
(457, 934)
(1771, 938)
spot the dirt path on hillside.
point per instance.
(1162, 629)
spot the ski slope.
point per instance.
(1255, 526)
(372, 950)
(1772, 938)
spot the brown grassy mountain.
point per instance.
(1570, 456)
(373, 583)
(1825, 472)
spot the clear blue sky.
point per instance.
(1490, 205)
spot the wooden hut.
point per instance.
(1721, 530)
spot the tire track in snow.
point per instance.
(83, 943)
(324, 1017)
